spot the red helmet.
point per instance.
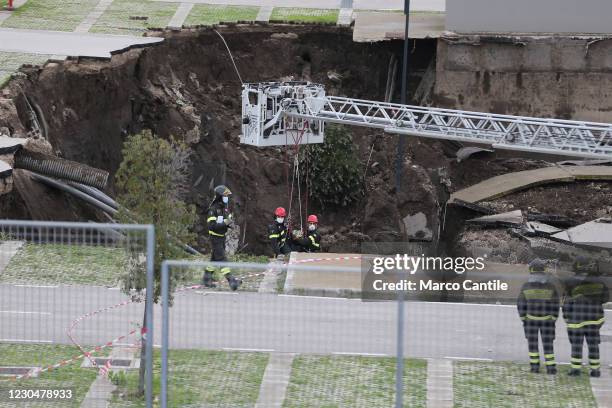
(280, 212)
(313, 219)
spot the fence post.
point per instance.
(165, 337)
(149, 314)
(399, 370)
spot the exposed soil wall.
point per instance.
(187, 88)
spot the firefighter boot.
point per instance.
(595, 373)
(234, 283)
(535, 368)
(552, 370)
(207, 280)
(574, 372)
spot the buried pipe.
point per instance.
(96, 202)
(95, 193)
(75, 192)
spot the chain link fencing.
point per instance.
(70, 333)
(317, 332)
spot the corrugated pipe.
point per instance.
(66, 169)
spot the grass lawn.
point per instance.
(206, 14)
(57, 15)
(305, 15)
(133, 17)
(510, 385)
(70, 376)
(11, 61)
(204, 378)
(353, 381)
(66, 264)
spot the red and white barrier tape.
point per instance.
(90, 314)
(73, 359)
(127, 302)
(339, 258)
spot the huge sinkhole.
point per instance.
(187, 87)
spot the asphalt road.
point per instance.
(252, 321)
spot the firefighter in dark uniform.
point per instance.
(312, 241)
(583, 311)
(538, 308)
(219, 220)
(277, 233)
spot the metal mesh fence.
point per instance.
(309, 334)
(70, 334)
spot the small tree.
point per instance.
(151, 181)
(333, 176)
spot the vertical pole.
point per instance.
(402, 138)
(399, 371)
(149, 315)
(165, 337)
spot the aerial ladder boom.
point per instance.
(296, 112)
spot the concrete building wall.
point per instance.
(560, 77)
(529, 16)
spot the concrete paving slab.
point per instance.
(275, 381)
(343, 282)
(508, 218)
(439, 383)
(264, 14)
(72, 44)
(381, 26)
(505, 184)
(269, 281)
(95, 14)
(11, 144)
(176, 22)
(345, 17)
(602, 389)
(8, 249)
(99, 393)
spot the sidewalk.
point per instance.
(71, 44)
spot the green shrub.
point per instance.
(334, 176)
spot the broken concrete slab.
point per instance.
(72, 44)
(466, 152)
(511, 218)
(585, 162)
(505, 184)
(541, 229)
(597, 233)
(10, 144)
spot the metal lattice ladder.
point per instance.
(304, 104)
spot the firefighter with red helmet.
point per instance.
(277, 232)
(312, 241)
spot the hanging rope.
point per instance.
(231, 56)
(295, 176)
